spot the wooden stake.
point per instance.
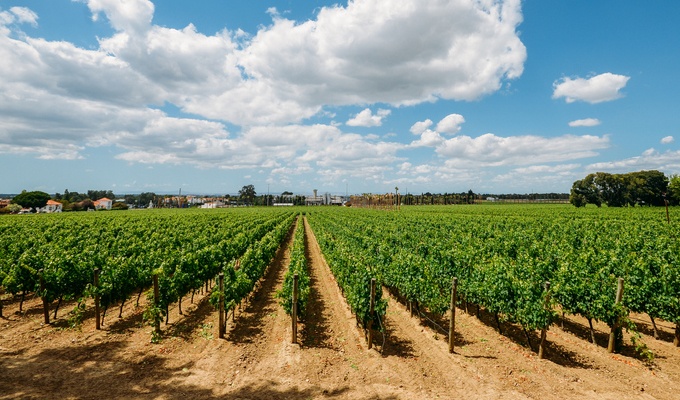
(541, 346)
(156, 301)
(97, 316)
(46, 305)
(676, 341)
(612, 336)
(452, 318)
(294, 308)
(370, 313)
(222, 326)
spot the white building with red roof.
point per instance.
(51, 207)
(103, 204)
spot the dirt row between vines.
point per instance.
(256, 360)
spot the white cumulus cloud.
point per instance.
(25, 15)
(667, 140)
(650, 159)
(66, 98)
(587, 122)
(596, 89)
(450, 124)
(420, 127)
(492, 150)
(366, 118)
(428, 138)
(353, 54)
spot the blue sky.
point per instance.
(494, 96)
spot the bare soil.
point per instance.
(257, 360)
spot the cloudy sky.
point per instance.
(497, 96)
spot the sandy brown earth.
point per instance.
(256, 360)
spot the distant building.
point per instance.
(52, 207)
(103, 204)
(315, 200)
(213, 204)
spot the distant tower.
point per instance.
(315, 190)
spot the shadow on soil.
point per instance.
(553, 352)
(316, 332)
(68, 372)
(666, 333)
(269, 391)
(263, 302)
(104, 371)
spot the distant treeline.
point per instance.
(469, 197)
(74, 198)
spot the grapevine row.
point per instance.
(352, 267)
(502, 257)
(183, 249)
(298, 265)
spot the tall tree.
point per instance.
(674, 189)
(585, 190)
(247, 194)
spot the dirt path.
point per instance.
(256, 360)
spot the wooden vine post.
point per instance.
(46, 305)
(222, 326)
(544, 331)
(615, 328)
(156, 301)
(452, 320)
(370, 313)
(97, 317)
(294, 309)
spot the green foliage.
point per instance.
(503, 255)
(75, 320)
(577, 199)
(186, 248)
(35, 199)
(238, 283)
(350, 260)
(119, 206)
(298, 265)
(247, 194)
(674, 189)
(618, 190)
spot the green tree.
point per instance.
(119, 206)
(145, 198)
(577, 199)
(34, 199)
(613, 188)
(674, 190)
(247, 194)
(585, 189)
(648, 187)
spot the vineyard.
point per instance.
(522, 271)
